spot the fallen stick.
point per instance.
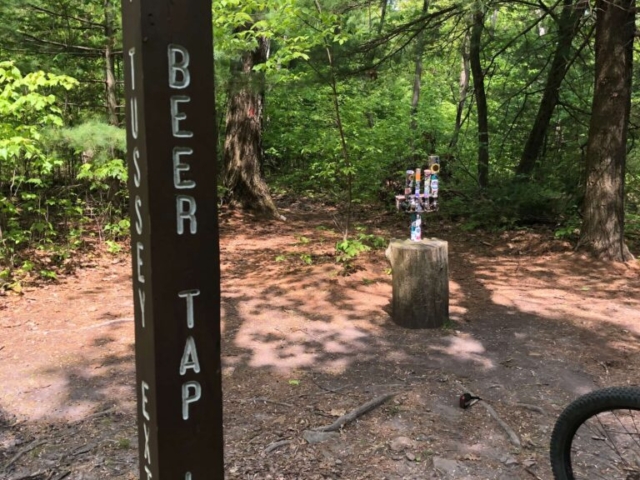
(275, 445)
(327, 389)
(59, 476)
(88, 327)
(530, 472)
(95, 415)
(533, 408)
(513, 437)
(358, 412)
(31, 476)
(266, 400)
(27, 449)
(324, 392)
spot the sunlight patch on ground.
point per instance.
(465, 348)
(286, 346)
(559, 304)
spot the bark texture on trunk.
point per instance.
(603, 223)
(568, 25)
(420, 282)
(481, 99)
(110, 78)
(243, 152)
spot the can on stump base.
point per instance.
(420, 282)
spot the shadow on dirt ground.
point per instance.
(533, 325)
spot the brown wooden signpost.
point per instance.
(171, 138)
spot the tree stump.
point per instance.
(420, 282)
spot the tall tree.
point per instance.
(475, 46)
(243, 152)
(417, 76)
(603, 222)
(111, 89)
(568, 25)
(463, 90)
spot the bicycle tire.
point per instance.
(579, 412)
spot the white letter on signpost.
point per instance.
(189, 294)
(132, 53)
(178, 66)
(141, 297)
(181, 167)
(137, 176)
(134, 118)
(145, 387)
(138, 204)
(190, 357)
(177, 116)
(188, 398)
(186, 210)
(139, 263)
(147, 451)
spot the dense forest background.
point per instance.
(529, 105)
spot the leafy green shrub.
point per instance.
(509, 205)
(349, 249)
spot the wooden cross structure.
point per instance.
(418, 200)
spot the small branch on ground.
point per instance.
(327, 389)
(530, 472)
(266, 400)
(27, 449)
(513, 437)
(335, 390)
(388, 385)
(89, 327)
(64, 474)
(275, 445)
(358, 412)
(96, 414)
(31, 476)
(533, 408)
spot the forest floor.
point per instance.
(533, 325)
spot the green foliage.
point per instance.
(374, 241)
(48, 275)
(113, 248)
(509, 205)
(302, 240)
(62, 173)
(27, 172)
(348, 249)
(54, 180)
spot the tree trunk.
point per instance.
(420, 282)
(417, 80)
(568, 25)
(464, 89)
(110, 78)
(383, 15)
(603, 222)
(481, 99)
(243, 153)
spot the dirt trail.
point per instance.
(533, 324)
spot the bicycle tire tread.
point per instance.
(579, 411)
